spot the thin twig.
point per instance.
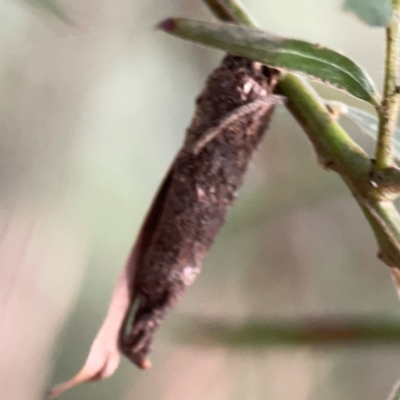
(219, 10)
(337, 151)
(315, 331)
(230, 11)
(389, 109)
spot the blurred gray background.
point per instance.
(90, 119)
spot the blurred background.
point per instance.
(91, 117)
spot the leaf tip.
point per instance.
(167, 25)
(145, 364)
(57, 390)
(99, 365)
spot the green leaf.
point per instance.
(52, 7)
(373, 12)
(317, 62)
(367, 122)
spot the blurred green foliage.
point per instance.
(373, 12)
(53, 7)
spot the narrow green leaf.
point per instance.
(52, 7)
(318, 63)
(373, 12)
(367, 122)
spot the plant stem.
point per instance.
(334, 148)
(315, 331)
(230, 11)
(337, 151)
(219, 10)
(389, 108)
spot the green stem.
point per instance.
(337, 151)
(389, 108)
(334, 148)
(219, 10)
(230, 11)
(317, 331)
